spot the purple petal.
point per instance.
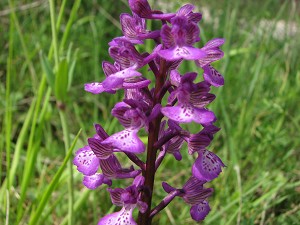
(212, 76)
(167, 37)
(110, 166)
(175, 78)
(95, 88)
(185, 52)
(100, 150)
(126, 141)
(115, 196)
(198, 142)
(112, 169)
(168, 188)
(194, 191)
(100, 132)
(201, 100)
(127, 25)
(138, 181)
(140, 7)
(211, 56)
(194, 17)
(200, 211)
(185, 10)
(173, 147)
(108, 68)
(135, 83)
(214, 43)
(86, 161)
(208, 166)
(93, 181)
(119, 218)
(193, 33)
(186, 113)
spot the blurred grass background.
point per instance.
(257, 109)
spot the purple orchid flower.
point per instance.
(117, 79)
(194, 194)
(129, 199)
(178, 40)
(186, 93)
(155, 107)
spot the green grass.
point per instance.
(257, 110)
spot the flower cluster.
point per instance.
(185, 101)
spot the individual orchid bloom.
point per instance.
(111, 168)
(207, 166)
(134, 28)
(178, 41)
(185, 111)
(116, 79)
(194, 194)
(132, 118)
(125, 54)
(129, 199)
(130, 114)
(88, 164)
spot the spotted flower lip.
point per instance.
(207, 166)
(199, 212)
(125, 215)
(86, 161)
(126, 141)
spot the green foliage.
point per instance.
(257, 110)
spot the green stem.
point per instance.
(54, 34)
(70, 181)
